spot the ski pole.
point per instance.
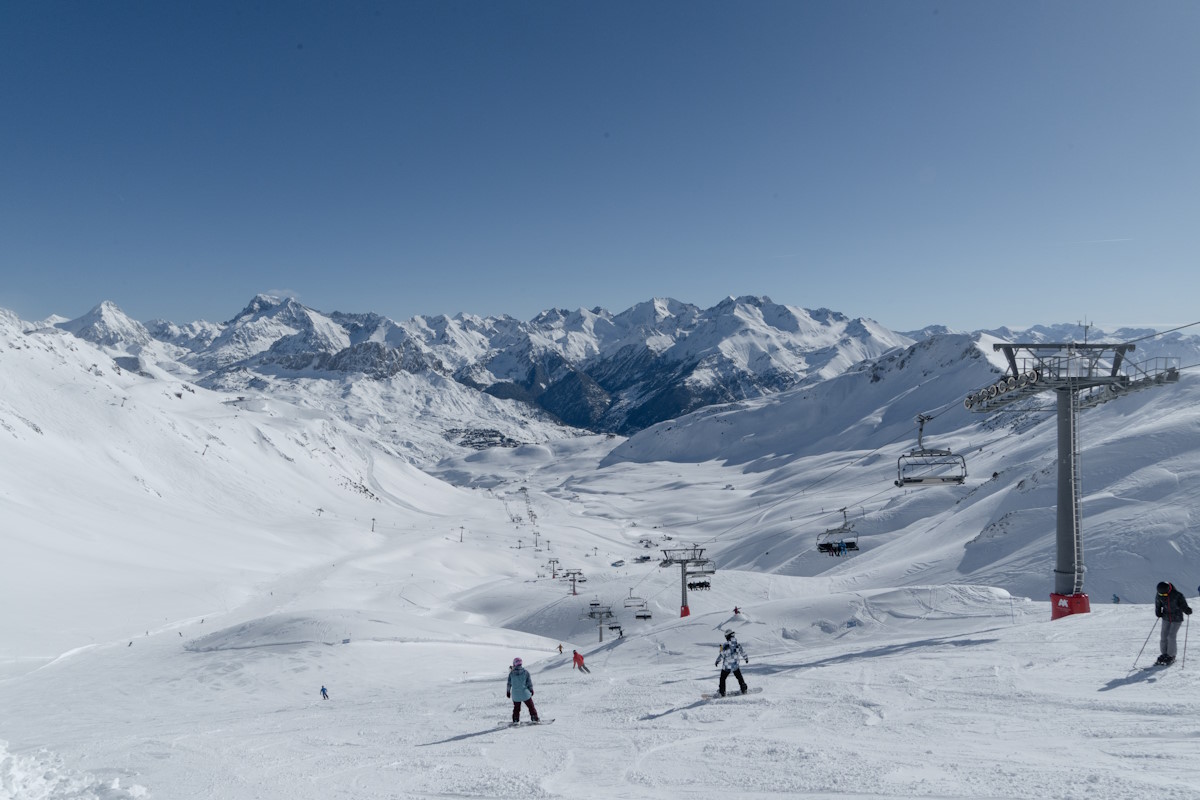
(1187, 624)
(1148, 635)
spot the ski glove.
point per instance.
(747, 660)
(508, 695)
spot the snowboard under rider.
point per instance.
(520, 690)
(1170, 606)
(731, 651)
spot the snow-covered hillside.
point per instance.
(190, 566)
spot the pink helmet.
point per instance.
(516, 662)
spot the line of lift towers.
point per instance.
(1081, 376)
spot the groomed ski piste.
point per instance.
(185, 570)
(922, 692)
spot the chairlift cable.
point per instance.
(760, 511)
(1160, 333)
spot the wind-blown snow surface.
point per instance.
(184, 570)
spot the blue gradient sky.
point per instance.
(973, 164)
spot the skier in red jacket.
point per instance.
(577, 658)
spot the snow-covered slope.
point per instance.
(191, 566)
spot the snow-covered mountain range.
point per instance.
(205, 523)
(593, 369)
(821, 395)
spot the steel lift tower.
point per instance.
(1081, 376)
(691, 561)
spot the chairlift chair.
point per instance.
(924, 466)
(840, 540)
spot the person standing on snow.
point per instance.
(577, 662)
(324, 693)
(1170, 606)
(731, 651)
(520, 690)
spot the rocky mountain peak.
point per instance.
(107, 325)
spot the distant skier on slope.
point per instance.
(577, 662)
(731, 651)
(324, 693)
(520, 690)
(1170, 606)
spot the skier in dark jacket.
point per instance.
(731, 651)
(520, 690)
(1170, 606)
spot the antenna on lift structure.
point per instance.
(1081, 376)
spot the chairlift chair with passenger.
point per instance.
(924, 466)
(838, 541)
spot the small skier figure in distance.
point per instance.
(736, 611)
(520, 690)
(731, 651)
(324, 693)
(1169, 605)
(577, 662)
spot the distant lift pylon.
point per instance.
(924, 466)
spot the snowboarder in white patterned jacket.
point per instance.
(520, 690)
(731, 651)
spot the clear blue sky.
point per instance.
(973, 164)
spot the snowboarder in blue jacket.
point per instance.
(731, 651)
(520, 690)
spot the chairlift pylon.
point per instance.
(928, 466)
(840, 540)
